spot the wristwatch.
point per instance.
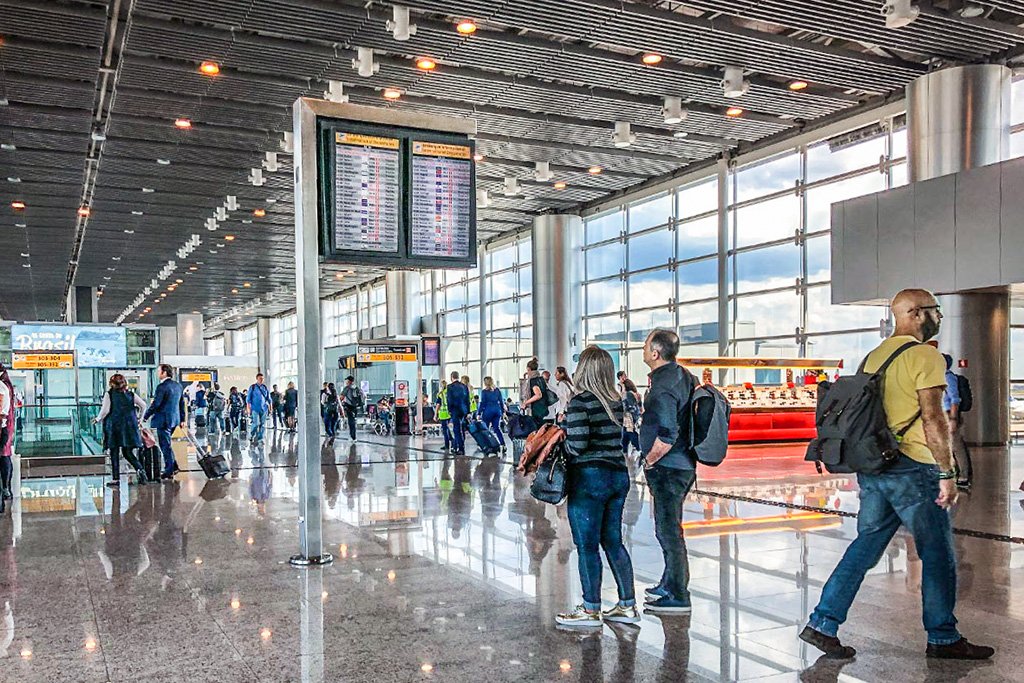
(950, 474)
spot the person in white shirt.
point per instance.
(562, 386)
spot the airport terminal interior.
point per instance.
(380, 195)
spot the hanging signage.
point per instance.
(94, 346)
(431, 352)
(42, 360)
(386, 353)
(198, 376)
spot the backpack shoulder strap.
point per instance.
(890, 360)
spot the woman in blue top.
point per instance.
(492, 407)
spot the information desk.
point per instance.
(776, 411)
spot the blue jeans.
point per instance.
(904, 495)
(259, 424)
(669, 487)
(163, 437)
(447, 432)
(458, 435)
(493, 420)
(330, 422)
(216, 421)
(596, 498)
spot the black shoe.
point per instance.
(6, 494)
(167, 475)
(141, 478)
(830, 645)
(114, 484)
(961, 649)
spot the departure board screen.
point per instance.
(442, 192)
(367, 179)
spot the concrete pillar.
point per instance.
(400, 286)
(958, 119)
(168, 341)
(189, 328)
(557, 289)
(263, 348)
(229, 342)
(85, 308)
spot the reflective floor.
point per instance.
(446, 569)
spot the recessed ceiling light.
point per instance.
(594, 170)
(426, 64)
(179, 281)
(478, 157)
(247, 221)
(24, 255)
(13, 179)
(164, 162)
(234, 291)
(229, 238)
(18, 205)
(84, 211)
(339, 275)
(466, 27)
(8, 147)
(247, 284)
(26, 265)
(129, 232)
(193, 268)
(183, 123)
(798, 85)
(136, 213)
(392, 93)
(560, 185)
(970, 11)
(148, 190)
(734, 111)
(680, 134)
(21, 225)
(209, 68)
(651, 58)
(259, 213)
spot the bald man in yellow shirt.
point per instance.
(915, 492)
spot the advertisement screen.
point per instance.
(94, 346)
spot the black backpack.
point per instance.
(963, 387)
(853, 432)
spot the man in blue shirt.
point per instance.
(166, 412)
(951, 400)
(458, 407)
(670, 467)
(258, 400)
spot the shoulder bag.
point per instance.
(549, 484)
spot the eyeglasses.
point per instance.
(937, 308)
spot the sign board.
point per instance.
(431, 352)
(94, 346)
(401, 391)
(395, 196)
(386, 353)
(42, 360)
(190, 376)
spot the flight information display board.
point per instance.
(396, 197)
(441, 199)
(367, 179)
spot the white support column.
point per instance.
(557, 276)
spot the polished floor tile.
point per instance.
(447, 569)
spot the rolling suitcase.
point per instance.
(214, 465)
(200, 420)
(484, 438)
(150, 456)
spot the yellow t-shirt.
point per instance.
(921, 367)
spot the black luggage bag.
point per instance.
(484, 438)
(214, 465)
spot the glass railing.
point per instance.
(58, 430)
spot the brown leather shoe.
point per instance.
(961, 649)
(830, 645)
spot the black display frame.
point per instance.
(404, 258)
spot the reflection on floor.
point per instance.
(446, 569)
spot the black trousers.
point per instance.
(128, 453)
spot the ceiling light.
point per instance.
(24, 255)
(733, 84)
(13, 179)
(339, 276)
(26, 265)
(363, 63)
(20, 225)
(560, 185)
(797, 85)
(259, 213)
(247, 284)
(136, 213)
(734, 111)
(425, 63)
(148, 190)
(179, 281)
(399, 25)
(478, 157)
(680, 134)
(193, 268)
(595, 170)
(622, 136)
(164, 162)
(234, 291)
(899, 13)
(98, 136)
(542, 171)
(673, 110)
(466, 27)
(971, 11)
(183, 123)
(209, 68)
(392, 93)
(229, 238)
(18, 205)
(651, 58)
(7, 147)
(84, 211)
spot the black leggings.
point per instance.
(6, 472)
(128, 453)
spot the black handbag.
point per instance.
(521, 426)
(549, 483)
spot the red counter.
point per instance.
(764, 425)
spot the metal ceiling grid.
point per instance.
(74, 24)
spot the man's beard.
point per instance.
(929, 328)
